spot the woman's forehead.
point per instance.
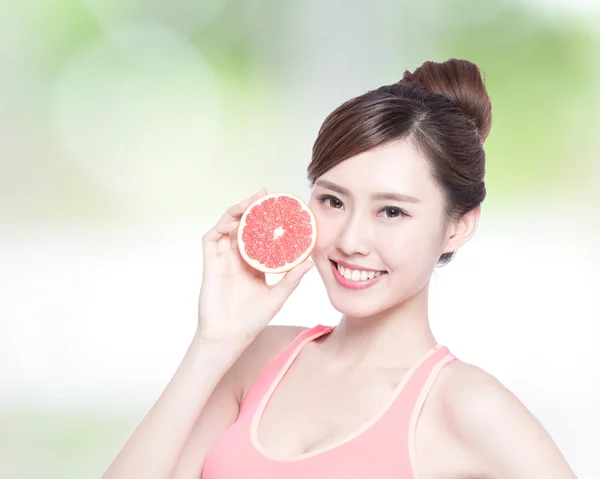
(396, 167)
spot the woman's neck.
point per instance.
(394, 338)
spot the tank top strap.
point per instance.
(270, 374)
(418, 382)
(405, 412)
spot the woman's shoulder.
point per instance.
(457, 375)
(271, 342)
(471, 396)
(491, 421)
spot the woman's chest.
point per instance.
(310, 413)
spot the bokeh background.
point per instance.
(127, 127)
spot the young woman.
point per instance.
(397, 180)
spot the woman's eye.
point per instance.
(393, 212)
(335, 203)
(331, 201)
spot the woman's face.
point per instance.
(380, 220)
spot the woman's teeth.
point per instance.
(357, 275)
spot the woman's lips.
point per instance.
(352, 284)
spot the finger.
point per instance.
(282, 290)
(228, 231)
(233, 238)
(230, 244)
(236, 211)
(228, 222)
(260, 193)
(212, 238)
(226, 228)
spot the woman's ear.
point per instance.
(461, 230)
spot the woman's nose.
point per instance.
(354, 238)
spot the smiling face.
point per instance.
(382, 228)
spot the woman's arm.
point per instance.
(154, 448)
(499, 430)
(223, 408)
(235, 306)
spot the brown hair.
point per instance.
(443, 108)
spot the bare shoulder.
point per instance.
(462, 383)
(265, 348)
(491, 421)
(474, 400)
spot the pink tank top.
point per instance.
(382, 448)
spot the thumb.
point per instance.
(282, 290)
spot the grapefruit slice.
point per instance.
(277, 232)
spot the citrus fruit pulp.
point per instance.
(277, 232)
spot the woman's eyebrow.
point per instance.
(333, 187)
(400, 197)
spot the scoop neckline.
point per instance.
(317, 332)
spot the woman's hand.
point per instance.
(236, 303)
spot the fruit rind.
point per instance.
(287, 267)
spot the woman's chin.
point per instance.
(353, 308)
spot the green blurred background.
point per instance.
(127, 127)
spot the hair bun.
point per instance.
(462, 83)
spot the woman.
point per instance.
(397, 180)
